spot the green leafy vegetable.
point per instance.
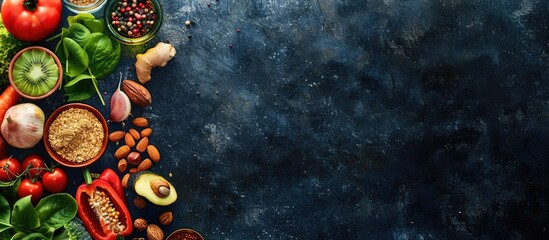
(5, 214)
(24, 216)
(87, 54)
(55, 212)
(9, 46)
(28, 222)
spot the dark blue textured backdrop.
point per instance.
(371, 119)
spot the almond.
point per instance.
(144, 165)
(142, 145)
(116, 136)
(140, 122)
(129, 140)
(122, 152)
(137, 93)
(154, 232)
(153, 153)
(133, 170)
(146, 132)
(135, 134)
(140, 224)
(122, 165)
(125, 180)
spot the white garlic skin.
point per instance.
(23, 125)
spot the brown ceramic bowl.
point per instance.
(53, 154)
(55, 58)
(185, 234)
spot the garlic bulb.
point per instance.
(23, 125)
(120, 105)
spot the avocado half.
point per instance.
(141, 183)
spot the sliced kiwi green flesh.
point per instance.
(35, 73)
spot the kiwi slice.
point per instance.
(35, 73)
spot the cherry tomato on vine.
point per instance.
(31, 20)
(10, 168)
(55, 181)
(35, 189)
(38, 166)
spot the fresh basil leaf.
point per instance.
(73, 57)
(5, 214)
(80, 88)
(55, 210)
(24, 215)
(79, 33)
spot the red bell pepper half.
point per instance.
(110, 176)
(102, 211)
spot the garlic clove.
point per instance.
(120, 106)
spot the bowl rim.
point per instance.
(56, 157)
(184, 230)
(55, 58)
(134, 41)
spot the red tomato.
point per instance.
(55, 181)
(35, 189)
(37, 167)
(10, 169)
(31, 20)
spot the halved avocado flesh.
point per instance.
(140, 182)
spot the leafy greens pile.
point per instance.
(40, 222)
(87, 54)
(9, 46)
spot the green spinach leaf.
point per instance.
(35, 236)
(5, 214)
(98, 47)
(79, 18)
(79, 33)
(73, 57)
(79, 88)
(23, 215)
(57, 209)
(18, 236)
(104, 55)
(94, 25)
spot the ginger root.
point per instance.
(157, 56)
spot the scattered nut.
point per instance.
(154, 232)
(134, 158)
(165, 218)
(122, 165)
(122, 152)
(153, 153)
(144, 165)
(140, 202)
(116, 136)
(140, 224)
(125, 180)
(140, 122)
(133, 170)
(146, 132)
(135, 134)
(142, 145)
(129, 140)
(137, 93)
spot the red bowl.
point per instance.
(55, 58)
(53, 154)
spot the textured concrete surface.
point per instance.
(371, 119)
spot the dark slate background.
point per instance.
(345, 119)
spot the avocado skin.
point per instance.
(145, 190)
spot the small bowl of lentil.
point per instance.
(76, 135)
(84, 6)
(133, 22)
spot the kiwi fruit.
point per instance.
(35, 73)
